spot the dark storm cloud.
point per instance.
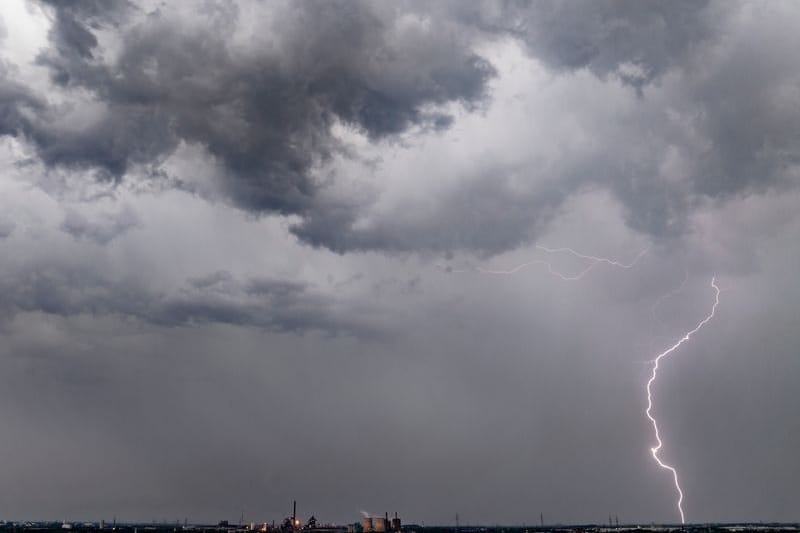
(750, 111)
(72, 31)
(16, 104)
(266, 110)
(271, 305)
(266, 113)
(635, 40)
(722, 98)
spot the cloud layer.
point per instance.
(266, 109)
(242, 242)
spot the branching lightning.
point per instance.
(654, 450)
(593, 262)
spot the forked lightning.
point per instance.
(593, 262)
(655, 449)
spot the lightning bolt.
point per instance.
(654, 450)
(593, 262)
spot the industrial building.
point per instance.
(380, 524)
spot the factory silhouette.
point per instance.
(379, 524)
(369, 524)
(382, 524)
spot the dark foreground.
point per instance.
(57, 527)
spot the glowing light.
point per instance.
(654, 450)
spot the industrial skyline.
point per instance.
(512, 262)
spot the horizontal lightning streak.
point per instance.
(654, 450)
(594, 261)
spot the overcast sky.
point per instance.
(245, 256)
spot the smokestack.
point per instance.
(294, 511)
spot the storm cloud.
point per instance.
(264, 108)
(263, 88)
(259, 251)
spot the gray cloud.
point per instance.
(273, 305)
(16, 103)
(7, 227)
(72, 34)
(635, 41)
(270, 305)
(712, 119)
(104, 228)
(266, 110)
(484, 213)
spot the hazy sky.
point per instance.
(243, 249)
